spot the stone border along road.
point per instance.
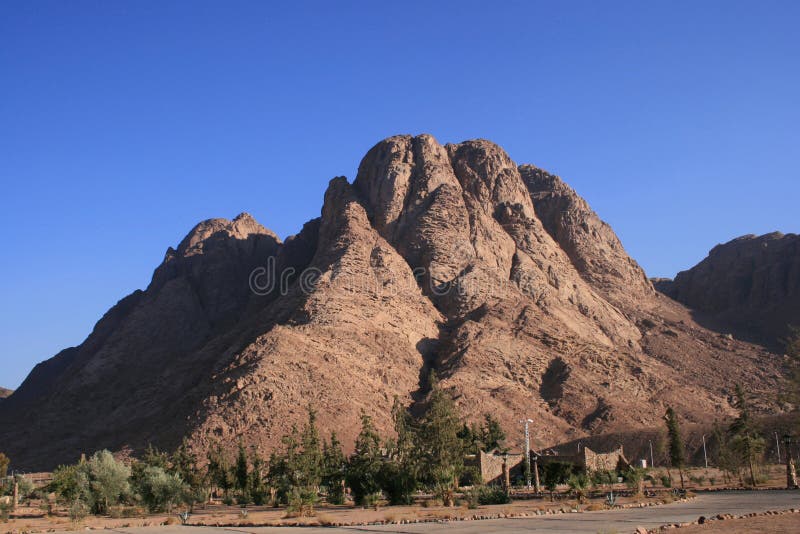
(625, 520)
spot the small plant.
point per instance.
(5, 511)
(712, 481)
(472, 498)
(579, 484)
(243, 512)
(184, 517)
(77, 511)
(666, 481)
(611, 499)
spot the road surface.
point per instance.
(621, 520)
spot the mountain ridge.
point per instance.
(445, 257)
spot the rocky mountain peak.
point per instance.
(453, 258)
(591, 244)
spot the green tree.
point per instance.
(364, 465)
(792, 348)
(158, 489)
(492, 434)
(183, 463)
(310, 457)
(257, 489)
(282, 472)
(4, 463)
(103, 481)
(439, 447)
(399, 470)
(219, 472)
(745, 441)
(242, 474)
(333, 465)
(154, 457)
(555, 473)
(677, 454)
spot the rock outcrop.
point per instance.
(453, 258)
(5, 393)
(749, 286)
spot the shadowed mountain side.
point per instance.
(749, 287)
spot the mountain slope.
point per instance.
(749, 286)
(450, 258)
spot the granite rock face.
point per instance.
(750, 285)
(452, 258)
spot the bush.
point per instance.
(472, 497)
(579, 484)
(601, 478)
(666, 481)
(301, 503)
(25, 486)
(77, 510)
(5, 511)
(492, 495)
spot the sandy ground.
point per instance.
(781, 524)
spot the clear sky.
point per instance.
(122, 124)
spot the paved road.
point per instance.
(626, 520)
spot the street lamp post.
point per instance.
(705, 455)
(527, 452)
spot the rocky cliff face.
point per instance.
(450, 258)
(750, 286)
(5, 393)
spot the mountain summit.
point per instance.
(449, 258)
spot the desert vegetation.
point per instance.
(422, 462)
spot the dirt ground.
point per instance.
(774, 524)
(33, 519)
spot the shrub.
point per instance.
(579, 484)
(5, 511)
(666, 481)
(472, 497)
(24, 486)
(493, 495)
(77, 510)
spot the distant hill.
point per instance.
(5, 392)
(452, 258)
(749, 286)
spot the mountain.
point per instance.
(5, 393)
(749, 286)
(449, 258)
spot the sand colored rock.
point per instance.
(499, 277)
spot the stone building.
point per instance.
(588, 459)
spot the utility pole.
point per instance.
(705, 456)
(527, 452)
(778, 447)
(652, 463)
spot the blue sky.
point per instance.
(122, 124)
